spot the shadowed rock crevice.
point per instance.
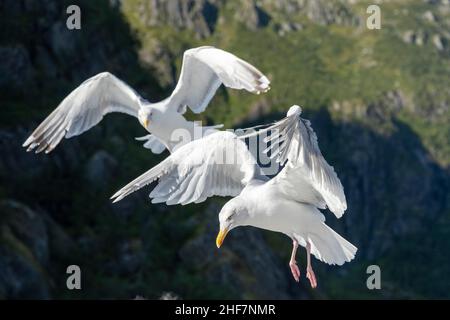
(388, 180)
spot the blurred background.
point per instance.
(379, 101)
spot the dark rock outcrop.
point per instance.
(27, 239)
(55, 209)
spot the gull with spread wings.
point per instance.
(203, 70)
(220, 164)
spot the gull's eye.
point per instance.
(229, 217)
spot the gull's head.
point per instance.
(146, 116)
(233, 214)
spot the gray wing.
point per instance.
(306, 176)
(204, 69)
(218, 164)
(82, 109)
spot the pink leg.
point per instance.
(292, 263)
(309, 271)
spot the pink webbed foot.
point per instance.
(295, 270)
(312, 277)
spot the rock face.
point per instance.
(325, 12)
(15, 69)
(369, 156)
(252, 15)
(198, 16)
(376, 179)
(202, 16)
(55, 52)
(100, 169)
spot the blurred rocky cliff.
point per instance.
(378, 100)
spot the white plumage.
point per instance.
(287, 203)
(202, 72)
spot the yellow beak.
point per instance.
(146, 122)
(220, 237)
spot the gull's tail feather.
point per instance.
(329, 247)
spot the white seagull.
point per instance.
(220, 164)
(204, 69)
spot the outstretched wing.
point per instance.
(218, 164)
(306, 176)
(82, 109)
(204, 69)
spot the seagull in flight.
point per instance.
(203, 70)
(220, 164)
